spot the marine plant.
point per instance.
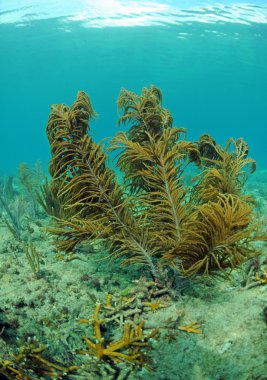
(152, 217)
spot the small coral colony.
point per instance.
(179, 212)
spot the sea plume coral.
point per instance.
(95, 201)
(225, 169)
(217, 235)
(152, 216)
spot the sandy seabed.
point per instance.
(233, 339)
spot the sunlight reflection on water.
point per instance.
(118, 13)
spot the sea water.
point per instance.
(210, 61)
(208, 58)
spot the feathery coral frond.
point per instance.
(91, 193)
(153, 160)
(218, 235)
(225, 169)
(145, 112)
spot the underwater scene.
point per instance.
(133, 190)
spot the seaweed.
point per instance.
(153, 218)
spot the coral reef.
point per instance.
(29, 363)
(48, 307)
(175, 229)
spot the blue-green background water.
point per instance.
(209, 61)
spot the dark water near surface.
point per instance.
(213, 75)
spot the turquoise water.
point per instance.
(210, 61)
